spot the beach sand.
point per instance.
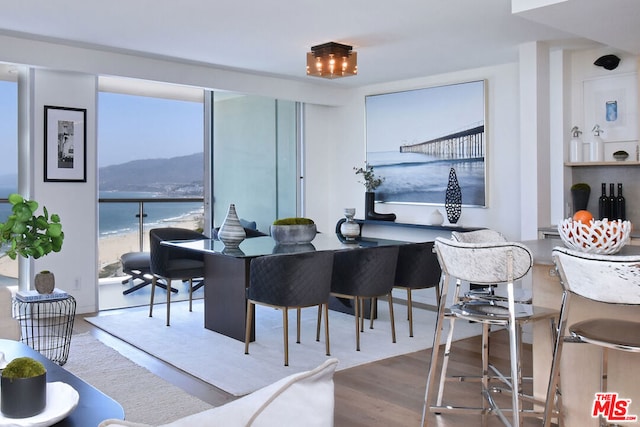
(110, 248)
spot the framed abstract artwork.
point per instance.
(65, 144)
(415, 137)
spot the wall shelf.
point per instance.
(611, 163)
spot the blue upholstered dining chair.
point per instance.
(293, 281)
(173, 263)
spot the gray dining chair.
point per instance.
(291, 281)
(606, 280)
(417, 268)
(171, 263)
(365, 273)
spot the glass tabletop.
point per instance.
(265, 245)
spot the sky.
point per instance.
(129, 128)
(420, 115)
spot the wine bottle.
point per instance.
(603, 203)
(613, 215)
(620, 204)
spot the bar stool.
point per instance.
(604, 279)
(492, 263)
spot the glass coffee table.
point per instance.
(93, 406)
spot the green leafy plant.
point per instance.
(371, 182)
(23, 367)
(28, 234)
(293, 221)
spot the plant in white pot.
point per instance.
(28, 234)
(293, 230)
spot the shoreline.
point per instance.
(112, 246)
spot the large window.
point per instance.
(9, 157)
(149, 149)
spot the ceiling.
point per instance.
(395, 40)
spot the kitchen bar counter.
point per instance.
(580, 367)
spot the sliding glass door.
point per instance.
(255, 161)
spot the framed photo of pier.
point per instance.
(415, 137)
(65, 146)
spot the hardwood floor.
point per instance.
(386, 393)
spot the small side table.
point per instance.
(46, 326)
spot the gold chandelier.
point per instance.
(332, 60)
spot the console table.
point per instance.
(430, 231)
(93, 406)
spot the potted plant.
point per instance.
(294, 230)
(24, 388)
(371, 182)
(30, 235)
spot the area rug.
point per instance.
(144, 396)
(220, 360)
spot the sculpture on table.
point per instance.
(453, 198)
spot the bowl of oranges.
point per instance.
(584, 233)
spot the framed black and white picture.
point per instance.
(65, 146)
(415, 137)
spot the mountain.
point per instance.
(182, 174)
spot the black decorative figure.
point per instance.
(453, 198)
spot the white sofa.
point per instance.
(302, 399)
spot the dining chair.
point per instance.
(491, 263)
(9, 326)
(291, 281)
(365, 273)
(170, 263)
(417, 268)
(606, 280)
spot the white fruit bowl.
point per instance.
(597, 237)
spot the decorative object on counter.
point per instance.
(371, 182)
(621, 204)
(620, 155)
(575, 145)
(453, 198)
(613, 214)
(24, 388)
(45, 282)
(603, 203)
(350, 229)
(290, 231)
(597, 237)
(580, 193)
(436, 218)
(608, 62)
(231, 232)
(597, 145)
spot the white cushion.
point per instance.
(305, 398)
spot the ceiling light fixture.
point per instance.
(332, 60)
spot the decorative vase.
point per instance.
(350, 229)
(370, 210)
(453, 198)
(436, 218)
(580, 198)
(45, 282)
(23, 397)
(231, 232)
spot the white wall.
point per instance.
(76, 202)
(335, 139)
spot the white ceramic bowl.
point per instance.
(597, 237)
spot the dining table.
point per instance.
(580, 363)
(227, 273)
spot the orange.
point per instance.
(583, 216)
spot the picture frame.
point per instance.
(65, 144)
(415, 137)
(610, 103)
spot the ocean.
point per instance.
(120, 218)
(422, 178)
